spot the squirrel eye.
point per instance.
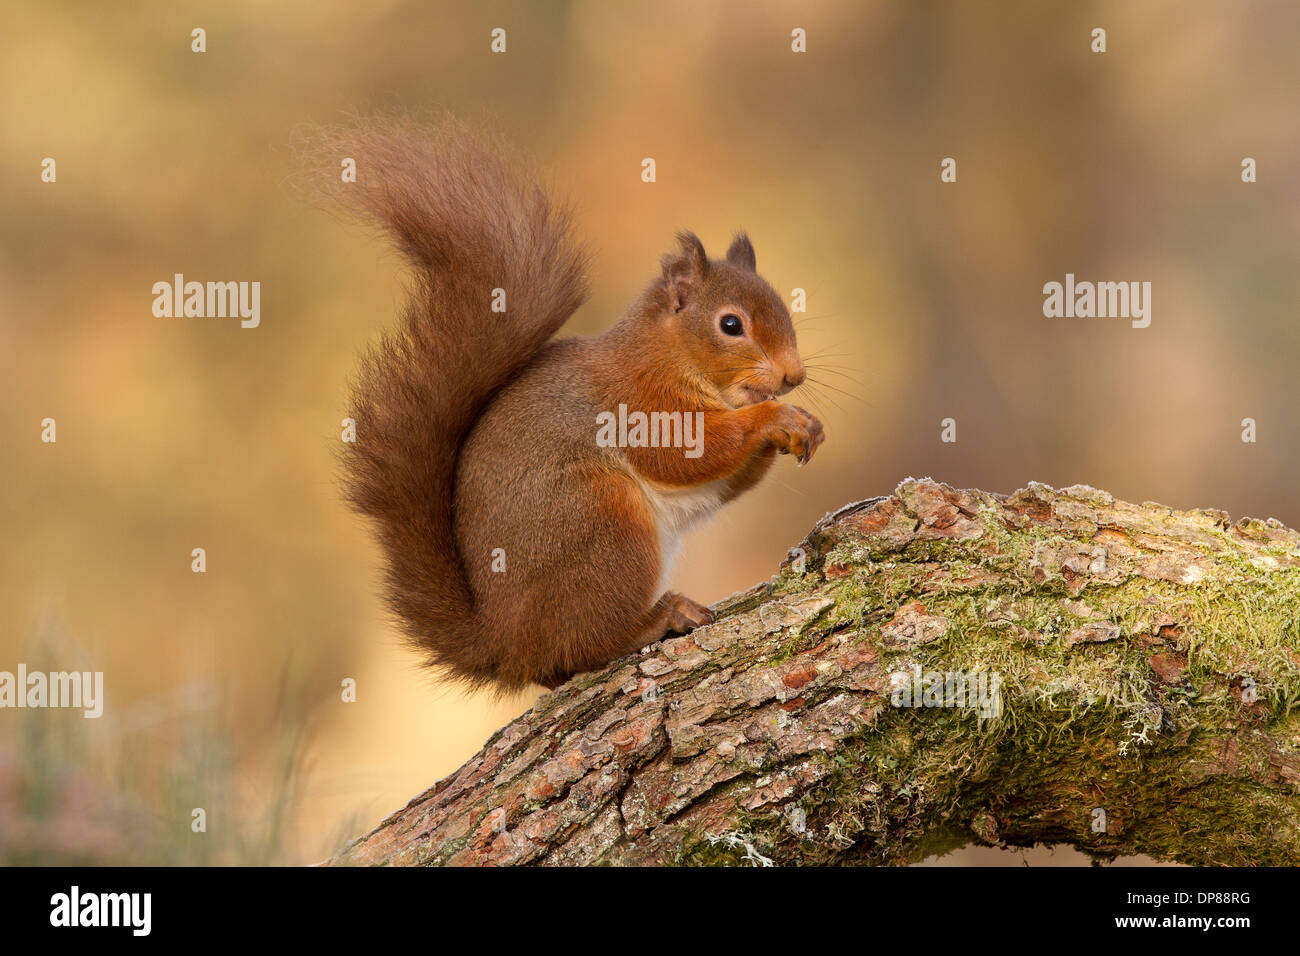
(731, 324)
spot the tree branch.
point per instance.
(1133, 672)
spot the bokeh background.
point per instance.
(924, 302)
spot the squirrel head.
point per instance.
(731, 323)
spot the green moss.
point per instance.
(1088, 723)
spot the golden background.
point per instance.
(924, 300)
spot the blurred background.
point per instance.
(924, 302)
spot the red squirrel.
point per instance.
(520, 548)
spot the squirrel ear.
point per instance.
(741, 253)
(684, 271)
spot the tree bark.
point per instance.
(1140, 680)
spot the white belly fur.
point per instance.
(676, 511)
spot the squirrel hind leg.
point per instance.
(684, 615)
(672, 614)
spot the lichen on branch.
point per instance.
(927, 670)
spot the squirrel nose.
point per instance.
(795, 377)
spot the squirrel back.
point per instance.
(469, 223)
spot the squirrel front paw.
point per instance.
(797, 432)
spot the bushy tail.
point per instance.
(470, 223)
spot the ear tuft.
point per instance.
(741, 253)
(685, 270)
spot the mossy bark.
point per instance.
(1140, 668)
